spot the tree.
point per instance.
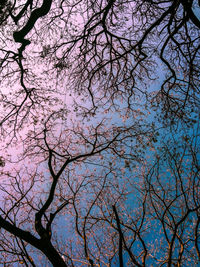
(169, 212)
(79, 120)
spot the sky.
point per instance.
(50, 73)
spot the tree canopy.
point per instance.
(99, 156)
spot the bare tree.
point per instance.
(79, 119)
(161, 226)
(115, 46)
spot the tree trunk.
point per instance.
(52, 254)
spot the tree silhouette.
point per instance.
(99, 133)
